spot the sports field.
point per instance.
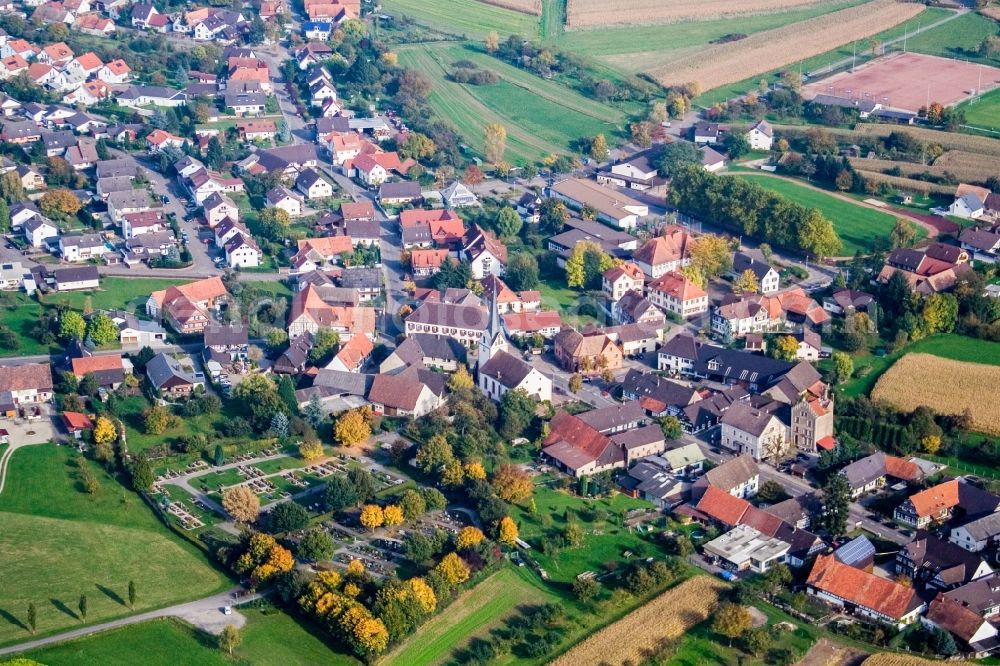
(472, 614)
(907, 80)
(62, 543)
(523, 103)
(856, 225)
(985, 111)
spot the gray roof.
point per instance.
(361, 277)
(120, 167)
(614, 416)
(450, 315)
(225, 336)
(163, 370)
(642, 384)
(984, 528)
(344, 383)
(862, 472)
(75, 274)
(419, 346)
(403, 189)
(750, 260)
(507, 369)
(856, 551)
(636, 437)
(733, 473)
(749, 419)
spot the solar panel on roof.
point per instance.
(855, 550)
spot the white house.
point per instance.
(284, 199)
(760, 136)
(38, 229)
(505, 372)
(755, 431)
(81, 248)
(242, 252)
(968, 206)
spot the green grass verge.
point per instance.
(270, 638)
(20, 313)
(957, 39)
(521, 102)
(566, 301)
(857, 225)
(466, 18)
(68, 543)
(114, 293)
(472, 614)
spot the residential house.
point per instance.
(457, 195)
(125, 202)
(967, 207)
(760, 136)
(704, 132)
(83, 247)
(314, 253)
(30, 177)
(739, 477)
(313, 185)
(768, 280)
(311, 310)
(982, 244)
(675, 293)
(26, 384)
(668, 252)
(934, 269)
(464, 323)
(245, 104)
(425, 263)
(979, 534)
(846, 301)
(866, 594)
(431, 228)
(366, 281)
(527, 324)
(635, 173)
(115, 72)
(352, 355)
(589, 352)
(745, 549)
(403, 192)
(231, 339)
(109, 370)
(242, 251)
(74, 279)
(931, 562)
(38, 229)
(414, 392)
(437, 352)
(169, 376)
(938, 503)
(284, 199)
(975, 634)
(219, 207)
(870, 473)
(187, 307)
(484, 253)
(133, 331)
(505, 372)
(139, 96)
(621, 279)
(760, 432)
(256, 130)
(136, 224)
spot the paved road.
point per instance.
(589, 393)
(206, 614)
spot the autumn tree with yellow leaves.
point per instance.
(263, 558)
(105, 431)
(241, 503)
(392, 515)
(453, 569)
(507, 531)
(352, 428)
(512, 484)
(372, 516)
(469, 537)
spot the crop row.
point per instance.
(598, 13)
(761, 52)
(533, 7)
(964, 170)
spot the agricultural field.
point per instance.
(270, 638)
(472, 614)
(469, 18)
(523, 103)
(856, 225)
(533, 7)
(967, 167)
(894, 659)
(722, 64)
(600, 13)
(945, 385)
(984, 112)
(69, 543)
(668, 616)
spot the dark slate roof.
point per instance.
(225, 336)
(418, 346)
(505, 368)
(639, 384)
(361, 277)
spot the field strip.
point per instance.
(601, 13)
(761, 52)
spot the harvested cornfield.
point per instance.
(992, 11)
(533, 7)
(667, 616)
(773, 49)
(947, 140)
(976, 169)
(944, 385)
(894, 659)
(910, 185)
(960, 162)
(601, 13)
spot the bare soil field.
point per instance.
(633, 637)
(944, 385)
(906, 80)
(601, 13)
(827, 653)
(533, 7)
(992, 11)
(721, 64)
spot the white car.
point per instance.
(227, 610)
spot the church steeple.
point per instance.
(493, 338)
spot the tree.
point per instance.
(324, 346)
(586, 264)
(105, 431)
(132, 596)
(351, 428)
(731, 620)
(746, 283)
(453, 569)
(473, 175)
(417, 146)
(930, 444)
(771, 492)
(4, 217)
(372, 516)
(340, 494)
(461, 380)
(433, 455)
(286, 517)
(311, 450)
(671, 427)
(102, 330)
(522, 272)
(364, 483)
(393, 515)
(575, 383)
(72, 326)
(758, 641)
(82, 605)
(785, 348)
(59, 203)
(507, 531)
(241, 503)
(508, 222)
(836, 502)
(469, 537)
(495, 138)
(817, 237)
(552, 216)
(990, 46)
(512, 484)
(585, 589)
(413, 504)
(843, 366)
(453, 474)
(216, 155)
(641, 133)
(316, 545)
(230, 638)
(11, 188)
(711, 255)
(675, 156)
(517, 409)
(940, 313)
(142, 474)
(599, 148)
(902, 234)
(492, 41)
(736, 144)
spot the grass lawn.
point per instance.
(857, 225)
(957, 39)
(20, 313)
(985, 111)
(605, 539)
(70, 544)
(472, 614)
(131, 414)
(565, 301)
(466, 17)
(126, 293)
(270, 638)
(521, 102)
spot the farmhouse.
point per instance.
(979, 534)
(24, 384)
(675, 293)
(505, 372)
(870, 473)
(937, 504)
(868, 595)
(170, 376)
(933, 270)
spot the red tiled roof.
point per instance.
(77, 421)
(861, 588)
(87, 364)
(935, 499)
(722, 506)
